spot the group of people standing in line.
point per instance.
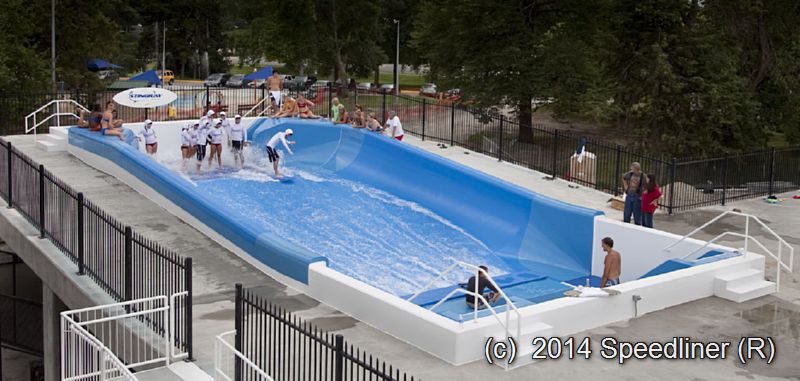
(641, 196)
(207, 135)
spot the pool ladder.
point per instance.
(509, 304)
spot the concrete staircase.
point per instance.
(743, 285)
(56, 140)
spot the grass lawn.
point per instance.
(406, 80)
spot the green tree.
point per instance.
(23, 66)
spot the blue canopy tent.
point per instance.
(96, 64)
(150, 76)
(261, 74)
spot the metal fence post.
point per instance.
(41, 201)
(237, 321)
(383, 110)
(500, 150)
(724, 179)
(771, 171)
(80, 234)
(617, 169)
(339, 365)
(453, 123)
(424, 103)
(128, 263)
(208, 99)
(330, 100)
(10, 177)
(672, 186)
(187, 273)
(555, 152)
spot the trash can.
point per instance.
(583, 169)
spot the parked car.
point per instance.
(298, 83)
(318, 84)
(365, 86)
(286, 78)
(108, 75)
(236, 80)
(453, 95)
(387, 87)
(217, 79)
(167, 77)
(257, 83)
(428, 90)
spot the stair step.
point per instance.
(50, 146)
(524, 343)
(55, 138)
(742, 292)
(740, 276)
(59, 131)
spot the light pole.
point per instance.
(53, 43)
(397, 59)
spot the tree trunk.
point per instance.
(525, 117)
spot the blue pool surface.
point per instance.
(380, 211)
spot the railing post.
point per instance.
(10, 177)
(187, 273)
(237, 321)
(339, 365)
(208, 100)
(424, 103)
(128, 263)
(453, 123)
(555, 153)
(672, 185)
(724, 179)
(330, 100)
(41, 201)
(80, 234)
(617, 169)
(771, 170)
(500, 150)
(383, 109)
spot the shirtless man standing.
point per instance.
(275, 85)
(612, 264)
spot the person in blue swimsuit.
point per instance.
(107, 125)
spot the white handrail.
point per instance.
(31, 122)
(510, 305)
(82, 367)
(255, 107)
(747, 238)
(221, 371)
(172, 332)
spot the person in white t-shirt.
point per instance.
(272, 154)
(394, 126)
(238, 138)
(226, 125)
(215, 135)
(149, 135)
(186, 142)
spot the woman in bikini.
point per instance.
(358, 118)
(288, 110)
(304, 107)
(108, 125)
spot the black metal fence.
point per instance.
(686, 183)
(288, 348)
(123, 263)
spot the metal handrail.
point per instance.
(172, 326)
(509, 303)
(70, 325)
(219, 343)
(30, 120)
(255, 107)
(747, 238)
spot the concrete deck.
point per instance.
(216, 271)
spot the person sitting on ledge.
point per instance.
(288, 110)
(612, 264)
(304, 107)
(482, 283)
(109, 125)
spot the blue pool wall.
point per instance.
(271, 250)
(524, 228)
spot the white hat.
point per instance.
(289, 131)
(217, 121)
(148, 121)
(210, 112)
(196, 122)
(222, 113)
(237, 116)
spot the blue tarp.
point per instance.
(149, 76)
(96, 64)
(261, 74)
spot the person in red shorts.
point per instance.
(650, 196)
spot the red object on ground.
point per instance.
(796, 197)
